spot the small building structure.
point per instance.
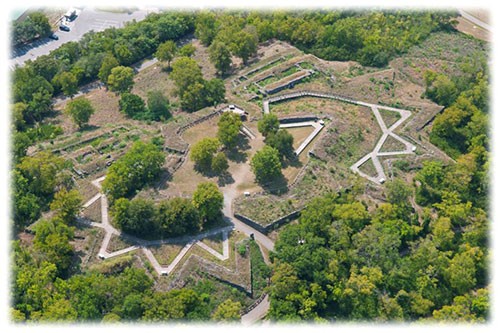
(238, 110)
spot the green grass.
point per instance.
(260, 271)
(289, 71)
(267, 81)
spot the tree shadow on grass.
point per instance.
(162, 182)
(225, 179)
(277, 186)
(89, 128)
(237, 154)
(292, 162)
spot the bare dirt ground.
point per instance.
(106, 112)
(470, 28)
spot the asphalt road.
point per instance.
(87, 19)
(475, 20)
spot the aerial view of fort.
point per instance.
(249, 166)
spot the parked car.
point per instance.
(54, 37)
(64, 27)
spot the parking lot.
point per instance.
(87, 19)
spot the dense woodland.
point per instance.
(354, 262)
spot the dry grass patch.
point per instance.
(93, 212)
(300, 134)
(154, 78)
(166, 253)
(389, 117)
(392, 144)
(86, 243)
(86, 189)
(215, 242)
(206, 129)
(118, 243)
(369, 168)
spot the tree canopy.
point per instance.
(140, 165)
(266, 164)
(203, 152)
(166, 51)
(121, 79)
(158, 105)
(229, 126)
(268, 124)
(208, 200)
(132, 105)
(80, 109)
(282, 141)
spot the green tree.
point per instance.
(59, 310)
(20, 144)
(136, 217)
(269, 124)
(229, 126)
(32, 281)
(178, 216)
(133, 307)
(18, 114)
(166, 51)
(282, 141)
(194, 97)
(67, 205)
(266, 164)
(185, 73)
(41, 23)
(442, 233)
(208, 200)
(440, 88)
(187, 50)
(132, 105)
(80, 111)
(462, 270)
(206, 27)
(158, 105)
(219, 163)
(108, 63)
(121, 79)
(68, 83)
(52, 239)
(228, 311)
(215, 92)
(140, 165)
(40, 104)
(471, 307)
(39, 172)
(177, 304)
(360, 293)
(245, 43)
(123, 53)
(220, 56)
(203, 152)
(111, 318)
(398, 192)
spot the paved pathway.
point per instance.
(317, 128)
(144, 244)
(386, 132)
(229, 193)
(257, 313)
